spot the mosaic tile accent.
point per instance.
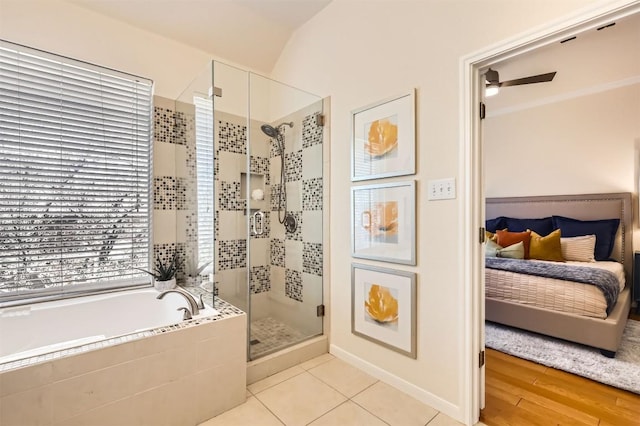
(293, 285)
(260, 165)
(232, 254)
(232, 137)
(163, 123)
(216, 165)
(275, 192)
(311, 132)
(297, 235)
(267, 227)
(312, 194)
(277, 252)
(164, 193)
(180, 128)
(166, 252)
(274, 148)
(293, 165)
(216, 225)
(169, 193)
(260, 279)
(229, 196)
(312, 258)
(270, 335)
(169, 126)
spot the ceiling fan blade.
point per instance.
(540, 78)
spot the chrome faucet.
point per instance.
(194, 305)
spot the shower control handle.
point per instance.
(257, 223)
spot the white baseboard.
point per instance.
(421, 395)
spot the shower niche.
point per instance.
(258, 166)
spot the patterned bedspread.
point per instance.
(603, 280)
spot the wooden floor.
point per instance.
(520, 393)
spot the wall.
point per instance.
(360, 52)
(577, 146)
(69, 30)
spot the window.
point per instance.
(204, 176)
(75, 145)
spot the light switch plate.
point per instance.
(441, 189)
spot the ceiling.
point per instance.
(594, 60)
(251, 33)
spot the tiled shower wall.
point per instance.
(284, 268)
(174, 190)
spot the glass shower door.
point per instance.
(284, 188)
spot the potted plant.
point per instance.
(164, 273)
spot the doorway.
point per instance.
(472, 177)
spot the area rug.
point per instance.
(622, 372)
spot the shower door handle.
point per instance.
(255, 229)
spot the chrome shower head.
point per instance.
(270, 131)
(273, 132)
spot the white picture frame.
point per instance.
(383, 223)
(383, 138)
(383, 307)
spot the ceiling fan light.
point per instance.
(491, 90)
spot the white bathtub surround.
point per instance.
(178, 374)
(31, 331)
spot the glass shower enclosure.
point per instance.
(254, 231)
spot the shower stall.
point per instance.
(253, 191)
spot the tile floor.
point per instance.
(326, 391)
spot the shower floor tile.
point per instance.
(269, 334)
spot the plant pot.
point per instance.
(164, 285)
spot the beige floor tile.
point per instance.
(444, 420)
(314, 362)
(394, 406)
(300, 400)
(251, 413)
(280, 377)
(348, 414)
(343, 377)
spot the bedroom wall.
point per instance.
(358, 53)
(582, 145)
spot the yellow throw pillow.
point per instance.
(546, 248)
(490, 236)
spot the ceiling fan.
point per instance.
(494, 83)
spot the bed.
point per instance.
(603, 331)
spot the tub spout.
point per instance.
(193, 304)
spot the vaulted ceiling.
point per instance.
(248, 32)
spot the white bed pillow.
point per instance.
(580, 249)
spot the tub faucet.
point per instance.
(193, 304)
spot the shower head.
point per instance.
(270, 131)
(273, 132)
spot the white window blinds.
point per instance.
(75, 142)
(205, 176)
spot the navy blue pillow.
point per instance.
(492, 225)
(543, 226)
(604, 230)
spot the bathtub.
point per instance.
(32, 330)
(120, 358)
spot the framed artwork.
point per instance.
(383, 225)
(383, 307)
(383, 138)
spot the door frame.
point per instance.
(471, 177)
